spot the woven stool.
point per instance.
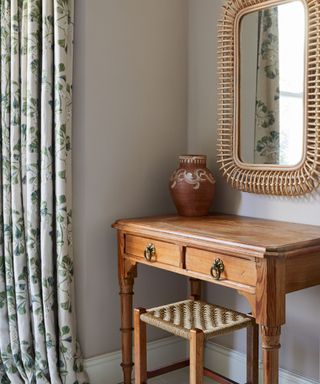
(196, 321)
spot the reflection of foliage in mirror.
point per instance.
(270, 43)
(267, 143)
(268, 147)
(264, 117)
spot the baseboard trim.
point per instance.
(232, 364)
(105, 369)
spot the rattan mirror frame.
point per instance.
(266, 179)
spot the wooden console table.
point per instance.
(263, 260)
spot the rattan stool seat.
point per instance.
(179, 318)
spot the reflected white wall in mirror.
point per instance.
(272, 85)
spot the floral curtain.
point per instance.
(37, 330)
(267, 95)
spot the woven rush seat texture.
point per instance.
(179, 318)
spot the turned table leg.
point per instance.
(271, 312)
(126, 294)
(271, 346)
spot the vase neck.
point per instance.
(193, 160)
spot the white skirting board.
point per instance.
(106, 369)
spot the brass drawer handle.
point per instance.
(216, 269)
(149, 252)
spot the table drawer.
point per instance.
(165, 253)
(235, 269)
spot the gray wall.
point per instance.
(130, 123)
(301, 335)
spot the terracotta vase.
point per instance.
(192, 186)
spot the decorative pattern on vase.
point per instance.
(194, 178)
(192, 186)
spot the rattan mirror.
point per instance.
(269, 95)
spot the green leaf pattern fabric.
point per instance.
(37, 320)
(267, 145)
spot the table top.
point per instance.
(267, 235)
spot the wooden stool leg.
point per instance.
(140, 347)
(253, 354)
(196, 356)
(195, 289)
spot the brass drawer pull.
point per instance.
(216, 269)
(149, 252)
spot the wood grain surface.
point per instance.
(257, 235)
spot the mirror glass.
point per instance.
(272, 85)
